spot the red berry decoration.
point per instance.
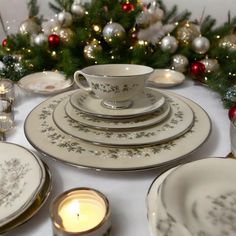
(53, 40)
(197, 68)
(4, 42)
(127, 7)
(232, 112)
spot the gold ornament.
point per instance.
(211, 65)
(30, 27)
(92, 49)
(66, 34)
(228, 42)
(186, 32)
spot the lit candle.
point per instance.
(81, 211)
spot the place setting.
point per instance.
(114, 122)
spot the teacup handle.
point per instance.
(77, 79)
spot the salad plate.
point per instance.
(18, 190)
(117, 124)
(41, 198)
(204, 199)
(53, 142)
(145, 103)
(178, 122)
(46, 82)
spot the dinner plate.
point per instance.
(17, 187)
(145, 103)
(165, 78)
(117, 124)
(201, 196)
(179, 121)
(51, 141)
(41, 198)
(160, 223)
(46, 82)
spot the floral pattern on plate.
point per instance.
(117, 124)
(147, 102)
(51, 141)
(17, 187)
(178, 122)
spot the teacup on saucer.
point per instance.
(115, 84)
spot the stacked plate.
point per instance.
(25, 183)
(198, 198)
(74, 127)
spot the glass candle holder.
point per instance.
(81, 211)
(7, 89)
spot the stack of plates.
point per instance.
(198, 198)
(74, 127)
(25, 183)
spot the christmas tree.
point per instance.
(126, 31)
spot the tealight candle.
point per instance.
(81, 211)
(7, 89)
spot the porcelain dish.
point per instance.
(166, 78)
(41, 198)
(17, 187)
(145, 103)
(53, 142)
(204, 199)
(46, 82)
(179, 121)
(117, 124)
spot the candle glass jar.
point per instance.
(7, 90)
(81, 211)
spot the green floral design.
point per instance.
(109, 88)
(11, 188)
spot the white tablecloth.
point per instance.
(126, 191)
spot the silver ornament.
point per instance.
(77, 10)
(179, 63)
(30, 27)
(113, 31)
(211, 65)
(169, 44)
(40, 39)
(228, 42)
(230, 95)
(65, 19)
(201, 45)
(51, 26)
(92, 49)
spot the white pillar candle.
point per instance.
(81, 211)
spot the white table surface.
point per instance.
(126, 191)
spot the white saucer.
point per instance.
(115, 124)
(149, 101)
(165, 78)
(22, 176)
(46, 82)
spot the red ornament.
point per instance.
(53, 40)
(197, 68)
(232, 112)
(4, 42)
(127, 7)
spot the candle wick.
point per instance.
(78, 215)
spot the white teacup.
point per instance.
(115, 84)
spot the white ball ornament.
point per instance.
(77, 10)
(201, 45)
(40, 39)
(65, 19)
(169, 44)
